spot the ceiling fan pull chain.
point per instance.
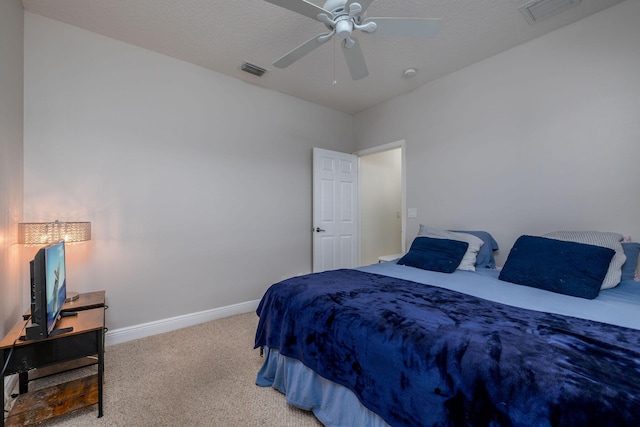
(334, 81)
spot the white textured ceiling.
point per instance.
(220, 35)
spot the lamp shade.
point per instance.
(42, 233)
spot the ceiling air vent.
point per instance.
(252, 69)
(542, 9)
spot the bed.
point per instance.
(395, 344)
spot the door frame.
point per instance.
(378, 149)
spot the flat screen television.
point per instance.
(48, 290)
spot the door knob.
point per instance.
(318, 230)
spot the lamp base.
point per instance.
(72, 296)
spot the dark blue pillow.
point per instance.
(441, 255)
(631, 250)
(569, 268)
(485, 258)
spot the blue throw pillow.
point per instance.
(632, 251)
(441, 255)
(569, 268)
(485, 258)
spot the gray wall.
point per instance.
(198, 186)
(11, 162)
(542, 137)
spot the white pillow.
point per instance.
(469, 259)
(603, 239)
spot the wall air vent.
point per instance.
(252, 69)
(538, 10)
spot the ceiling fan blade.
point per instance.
(355, 60)
(364, 3)
(300, 6)
(421, 28)
(301, 51)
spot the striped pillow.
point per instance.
(603, 239)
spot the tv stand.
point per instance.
(85, 301)
(80, 336)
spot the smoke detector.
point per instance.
(409, 72)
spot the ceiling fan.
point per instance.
(342, 17)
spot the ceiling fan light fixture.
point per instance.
(344, 28)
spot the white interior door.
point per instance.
(335, 210)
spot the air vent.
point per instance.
(253, 69)
(542, 9)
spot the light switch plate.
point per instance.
(412, 212)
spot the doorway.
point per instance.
(381, 195)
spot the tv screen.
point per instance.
(56, 282)
(48, 290)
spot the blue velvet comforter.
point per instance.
(419, 355)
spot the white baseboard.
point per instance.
(130, 333)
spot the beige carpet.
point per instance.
(198, 376)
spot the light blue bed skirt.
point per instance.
(333, 404)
